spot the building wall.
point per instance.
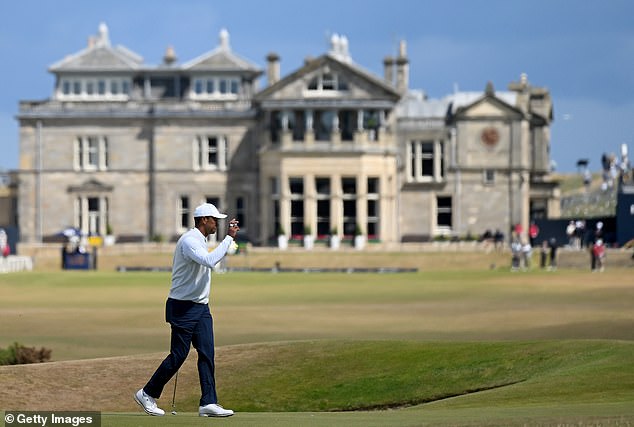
(153, 158)
(480, 206)
(504, 201)
(342, 165)
(176, 175)
(126, 174)
(416, 214)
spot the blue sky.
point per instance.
(583, 51)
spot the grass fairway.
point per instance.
(433, 348)
(385, 383)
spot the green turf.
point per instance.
(616, 415)
(547, 415)
(532, 348)
(345, 375)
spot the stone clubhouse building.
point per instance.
(129, 149)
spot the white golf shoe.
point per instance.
(148, 403)
(214, 410)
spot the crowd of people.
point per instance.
(579, 238)
(522, 254)
(614, 169)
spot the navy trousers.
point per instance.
(191, 324)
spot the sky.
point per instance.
(582, 51)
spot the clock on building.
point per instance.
(490, 136)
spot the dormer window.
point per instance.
(215, 88)
(326, 82)
(93, 89)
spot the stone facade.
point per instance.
(130, 149)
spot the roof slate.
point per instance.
(99, 58)
(220, 58)
(416, 105)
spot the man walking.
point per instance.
(187, 311)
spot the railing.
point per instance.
(131, 107)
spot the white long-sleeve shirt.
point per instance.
(192, 264)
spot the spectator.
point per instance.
(498, 238)
(516, 253)
(580, 231)
(527, 253)
(598, 255)
(598, 231)
(624, 165)
(587, 179)
(533, 232)
(5, 250)
(487, 240)
(552, 244)
(608, 162)
(570, 232)
(518, 230)
(543, 254)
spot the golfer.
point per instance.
(187, 311)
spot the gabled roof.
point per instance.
(103, 58)
(221, 59)
(99, 55)
(503, 100)
(345, 65)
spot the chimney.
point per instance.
(224, 39)
(102, 38)
(340, 47)
(388, 70)
(170, 56)
(489, 90)
(273, 69)
(402, 68)
(523, 89)
(335, 44)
